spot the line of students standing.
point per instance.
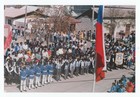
(39, 73)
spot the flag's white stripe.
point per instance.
(105, 67)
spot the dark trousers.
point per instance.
(66, 73)
(109, 66)
(87, 69)
(82, 70)
(77, 71)
(58, 74)
(71, 73)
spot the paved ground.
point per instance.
(82, 83)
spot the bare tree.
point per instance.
(60, 18)
(57, 20)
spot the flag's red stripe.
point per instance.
(8, 40)
(99, 53)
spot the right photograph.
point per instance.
(69, 48)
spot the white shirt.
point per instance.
(58, 66)
(20, 55)
(70, 51)
(25, 47)
(82, 63)
(20, 47)
(72, 66)
(86, 63)
(26, 57)
(33, 56)
(45, 54)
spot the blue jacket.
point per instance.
(50, 69)
(31, 73)
(38, 71)
(28, 70)
(117, 87)
(16, 48)
(113, 89)
(121, 90)
(34, 66)
(23, 74)
(44, 70)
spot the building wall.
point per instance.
(86, 24)
(8, 21)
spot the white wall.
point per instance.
(86, 24)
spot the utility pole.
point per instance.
(25, 19)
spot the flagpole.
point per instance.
(93, 27)
(94, 73)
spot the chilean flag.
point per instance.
(9, 37)
(100, 51)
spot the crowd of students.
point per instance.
(33, 64)
(123, 85)
(126, 45)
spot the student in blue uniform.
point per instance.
(50, 72)
(23, 75)
(31, 77)
(121, 89)
(124, 80)
(44, 74)
(113, 88)
(37, 75)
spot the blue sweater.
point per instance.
(50, 69)
(38, 71)
(23, 74)
(31, 73)
(44, 70)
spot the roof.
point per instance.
(13, 12)
(74, 21)
(88, 13)
(20, 13)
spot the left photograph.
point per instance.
(40, 50)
